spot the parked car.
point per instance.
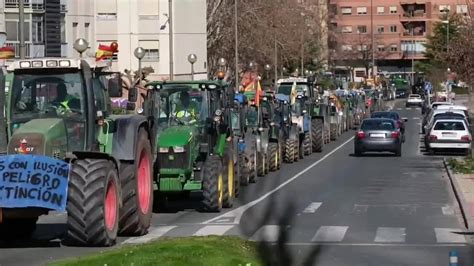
(400, 93)
(449, 134)
(444, 113)
(414, 99)
(395, 116)
(429, 113)
(442, 116)
(378, 134)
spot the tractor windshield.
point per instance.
(185, 107)
(285, 88)
(47, 95)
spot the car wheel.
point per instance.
(358, 152)
(398, 152)
(431, 151)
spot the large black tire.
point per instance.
(137, 190)
(280, 154)
(298, 149)
(253, 165)
(273, 152)
(289, 151)
(93, 203)
(327, 134)
(212, 184)
(244, 162)
(318, 135)
(307, 147)
(267, 162)
(13, 229)
(333, 131)
(398, 151)
(261, 161)
(229, 180)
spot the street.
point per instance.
(344, 210)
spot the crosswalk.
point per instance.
(320, 234)
(408, 108)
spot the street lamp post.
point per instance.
(192, 58)
(139, 54)
(81, 45)
(236, 36)
(3, 126)
(170, 20)
(267, 70)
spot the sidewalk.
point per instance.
(463, 186)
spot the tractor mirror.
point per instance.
(115, 86)
(132, 94)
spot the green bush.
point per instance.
(462, 166)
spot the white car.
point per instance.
(449, 134)
(441, 112)
(414, 99)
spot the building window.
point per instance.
(361, 29)
(444, 8)
(362, 47)
(152, 50)
(346, 10)
(393, 10)
(362, 10)
(37, 29)
(380, 29)
(63, 28)
(393, 48)
(87, 31)
(13, 30)
(346, 29)
(461, 9)
(346, 47)
(360, 73)
(393, 28)
(106, 16)
(381, 48)
(380, 10)
(75, 31)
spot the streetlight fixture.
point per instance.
(267, 68)
(3, 133)
(139, 54)
(192, 58)
(222, 62)
(306, 72)
(169, 21)
(81, 45)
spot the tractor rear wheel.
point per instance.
(253, 165)
(244, 163)
(229, 180)
(280, 154)
(261, 161)
(137, 190)
(21, 228)
(273, 151)
(297, 148)
(334, 131)
(93, 203)
(213, 184)
(307, 147)
(289, 151)
(317, 135)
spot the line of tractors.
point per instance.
(189, 137)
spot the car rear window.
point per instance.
(449, 125)
(393, 116)
(415, 96)
(377, 125)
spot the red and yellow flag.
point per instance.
(7, 52)
(105, 51)
(258, 94)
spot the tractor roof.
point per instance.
(210, 84)
(53, 62)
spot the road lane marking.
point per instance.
(399, 109)
(448, 235)
(408, 108)
(416, 118)
(238, 212)
(374, 244)
(267, 233)
(447, 210)
(390, 235)
(313, 207)
(213, 230)
(330, 234)
(153, 234)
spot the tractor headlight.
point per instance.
(164, 149)
(178, 149)
(25, 64)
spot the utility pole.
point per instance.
(21, 9)
(236, 32)
(373, 39)
(170, 20)
(276, 62)
(302, 53)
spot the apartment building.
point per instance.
(130, 23)
(400, 28)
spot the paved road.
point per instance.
(333, 207)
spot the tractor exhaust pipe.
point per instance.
(3, 124)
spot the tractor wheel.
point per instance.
(229, 180)
(137, 190)
(318, 137)
(307, 147)
(213, 184)
(327, 134)
(289, 151)
(280, 154)
(273, 151)
(298, 149)
(93, 203)
(334, 131)
(21, 228)
(267, 161)
(244, 163)
(261, 161)
(253, 165)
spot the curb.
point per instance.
(468, 223)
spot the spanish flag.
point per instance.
(7, 52)
(104, 52)
(258, 94)
(293, 94)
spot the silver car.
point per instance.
(378, 134)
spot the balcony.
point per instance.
(413, 2)
(411, 16)
(32, 50)
(15, 3)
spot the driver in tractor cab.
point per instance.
(64, 103)
(186, 110)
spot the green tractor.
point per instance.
(59, 110)
(195, 149)
(275, 134)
